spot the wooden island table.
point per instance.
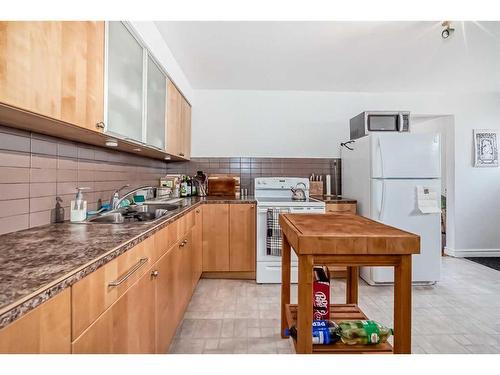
(352, 241)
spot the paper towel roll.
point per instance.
(328, 184)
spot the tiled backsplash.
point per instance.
(35, 169)
(249, 168)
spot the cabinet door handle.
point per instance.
(181, 154)
(129, 273)
(100, 125)
(154, 273)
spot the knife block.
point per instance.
(315, 187)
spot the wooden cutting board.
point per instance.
(228, 186)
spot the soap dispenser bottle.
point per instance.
(78, 207)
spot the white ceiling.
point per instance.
(336, 56)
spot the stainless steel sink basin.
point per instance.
(145, 213)
(107, 218)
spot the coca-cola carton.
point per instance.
(321, 293)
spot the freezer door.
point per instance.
(394, 202)
(405, 155)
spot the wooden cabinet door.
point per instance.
(128, 326)
(45, 329)
(168, 295)
(82, 96)
(197, 245)
(216, 238)
(174, 287)
(173, 120)
(55, 69)
(186, 129)
(242, 237)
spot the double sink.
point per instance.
(140, 214)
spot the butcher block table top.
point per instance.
(345, 234)
(344, 240)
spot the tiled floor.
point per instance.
(461, 314)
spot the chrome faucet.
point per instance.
(116, 200)
(115, 197)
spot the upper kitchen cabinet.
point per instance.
(125, 74)
(136, 90)
(54, 69)
(156, 106)
(178, 123)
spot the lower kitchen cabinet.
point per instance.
(216, 238)
(197, 245)
(128, 326)
(174, 287)
(229, 237)
(242, 237)
(46, 329)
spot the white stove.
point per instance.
(275, 193)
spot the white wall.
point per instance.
(151, 36)
(312, 124)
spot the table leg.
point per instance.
(402, 306)
(352, 285)
(285, 282)
(305, 305)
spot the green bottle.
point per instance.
(364, 332)
(184, 187)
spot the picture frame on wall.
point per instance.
(485, 148)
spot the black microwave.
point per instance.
(379, 121)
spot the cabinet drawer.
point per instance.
(341, 208)
(179, 228)
(92, 295)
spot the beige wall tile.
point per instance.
(42, 189)
(14, 159)
(40, 218)
(14, 191)
(43, 175)
(14, 223)
(42, 203)
(43, 161)
(14, 175)
(14, 207)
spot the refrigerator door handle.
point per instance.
(381, 158)
(382, 201)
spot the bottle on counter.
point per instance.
(189, 186)
(183, 189)
(364, 332)
(194, 189)
(324, 332)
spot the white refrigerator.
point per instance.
(384, 172)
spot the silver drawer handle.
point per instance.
(129, 273)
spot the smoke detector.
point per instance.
(448, 29)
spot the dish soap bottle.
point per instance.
(78, 207)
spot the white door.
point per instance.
(405, 155)
(394, 202)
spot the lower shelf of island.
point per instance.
(339, 312)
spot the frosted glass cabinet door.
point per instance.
(156, 101)
(125, 77)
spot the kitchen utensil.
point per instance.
(298, 194)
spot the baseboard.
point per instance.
(229, 275)
(462, 253)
